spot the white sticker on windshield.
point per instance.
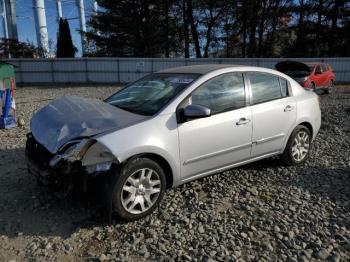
(177, 80)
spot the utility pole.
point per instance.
(9, 23)
(95, 7)
(80, 5)
(9, 19)
(6, 32)
(94, 12)
(41, 26)
(4, 19)
(59, 10)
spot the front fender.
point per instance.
(123, 156)
(157, 136)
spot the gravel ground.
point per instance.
(263, 211)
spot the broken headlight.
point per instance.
(94, 156)
(72, 151)
(78, 150)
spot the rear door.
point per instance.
(273, 112)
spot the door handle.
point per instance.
(288, 108)
(243, 121)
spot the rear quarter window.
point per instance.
(284, 87)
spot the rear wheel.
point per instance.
(330, 87)
(298, 146)
(139, 189)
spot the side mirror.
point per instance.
(195, 111)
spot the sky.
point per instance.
(26, 22)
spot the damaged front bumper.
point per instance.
(65, 171)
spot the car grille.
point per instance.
(37, 152)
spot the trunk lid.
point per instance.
(293, 69)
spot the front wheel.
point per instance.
(138, 189)
(298, 147)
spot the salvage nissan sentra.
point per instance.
(172, 127)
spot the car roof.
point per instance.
(211, 68)
(197, 69)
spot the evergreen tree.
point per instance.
(133, 28)
(65, 47)
(16, 49)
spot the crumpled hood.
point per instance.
(71, 117)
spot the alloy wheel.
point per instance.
(141, 191)
(301, 145)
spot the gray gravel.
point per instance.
(263, 211)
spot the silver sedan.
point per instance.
(169, 128)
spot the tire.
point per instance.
(329, 89)
(295, 150)
(132, 200)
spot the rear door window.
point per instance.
(266, 87)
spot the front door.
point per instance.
(273, 112)
(223, 138)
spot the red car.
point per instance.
(309, 75)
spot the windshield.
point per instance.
(149, 94)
